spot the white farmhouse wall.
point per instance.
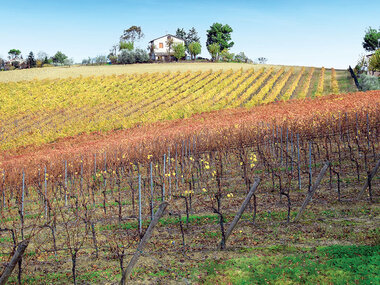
(164, 49)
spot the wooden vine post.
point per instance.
(15, 259)
(233, 224)
(127, 272)
(368, 181)
(312, 190)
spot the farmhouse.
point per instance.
(160, 50)
(16, 62)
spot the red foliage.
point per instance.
(218, 129)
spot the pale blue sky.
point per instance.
(311, 33)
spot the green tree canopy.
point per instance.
(214, 50)
(189, 37)
(194, 49)
(14, 53)
(221, 35)
(179, 51)
(371, 39)
(226, 55)
(374, 61)
(59, 57)
(126, 45)
(192, 36)
(180, 33)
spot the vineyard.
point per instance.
(90, 199)
(43, 111)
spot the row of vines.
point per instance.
(41, 111)
(102, 202)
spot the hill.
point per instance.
(41, 111)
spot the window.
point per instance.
(161, 45)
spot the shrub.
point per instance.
(194, 49)
(141, 56)
(214, 50)
(241, 57)
(179, 51)
(368, 82)
(130, 57)
(126, 57)
(226, 55)
(374, 61)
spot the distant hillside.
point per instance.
(41, 111)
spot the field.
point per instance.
(108, 70)
(87, 162)
(42, 111)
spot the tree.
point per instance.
(262, 60)
(169, 44)
(68, 61)
(59, 58)
(100, 59)
(132, 34)
(374, 61)
(14, 53)
(221, 35)
(192, 36)
(47, 60)
(41, 55)
(361, 65)
(194, 49)
(31, 62)
(126, 45)
(214, 50)
(241, 57)
(113, 51)
(2, 64)
(180, 33)
(226, 55)
(371, 40)
(179, 50)
(151, 47)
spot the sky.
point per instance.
(307, 33)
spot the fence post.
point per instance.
(310, 168)
(151, 191)
(66, 183)
(163, 183)
(45, 193)
(22, 204)
(140, 218)
(299, 161)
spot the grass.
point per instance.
(286, 265)
(85, 71)
(279, 252)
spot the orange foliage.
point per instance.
(213, 130)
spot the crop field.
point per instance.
(85, 202)
(42, 111)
